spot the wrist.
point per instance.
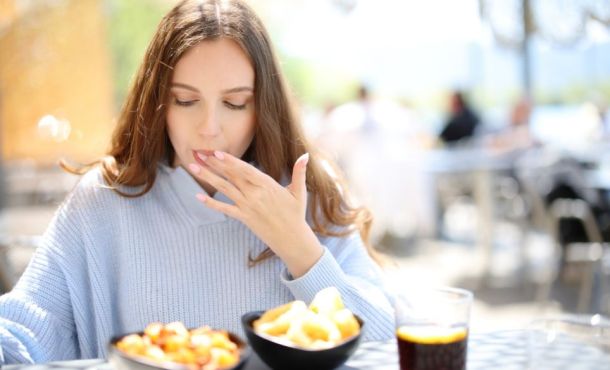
(302, 253)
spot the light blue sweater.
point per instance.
(109, 265)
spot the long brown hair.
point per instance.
(140, 140)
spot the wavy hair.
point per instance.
(140, 140)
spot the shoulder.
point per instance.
(93, 207)
(93, 194)
(85, 199)
(90, 188)
(93, 185)
(75, 215)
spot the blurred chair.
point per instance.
(537, 172)
(532, 173)
(452, 189)
(8, 272)
(29, 183)
(594, 254)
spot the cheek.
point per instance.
(179, 120)
(240, 135)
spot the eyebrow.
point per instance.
(227, 91)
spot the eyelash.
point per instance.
(186, 103)
(189, 103)
(234, 106)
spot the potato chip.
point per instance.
(346, 323)
(327, 301)
(324, 324)
(287, 313)
(201, 348)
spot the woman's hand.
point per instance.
(276, 214)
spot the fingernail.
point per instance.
(201, 156)
(194, 168)
(201, 197)
(219, 155)
(305, 158)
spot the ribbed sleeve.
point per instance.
(36, 317)
(360, 292)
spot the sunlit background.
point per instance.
(468, 214)
(66, 65)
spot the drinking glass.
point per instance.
(569, 341)
(432, 328)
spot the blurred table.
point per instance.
(480, 165)
(500, 350)
(598, 178)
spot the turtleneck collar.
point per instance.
(185, 187)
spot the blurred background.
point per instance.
(477, 131)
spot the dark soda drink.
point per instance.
(432, 347)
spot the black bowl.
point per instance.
(280, 356)
(122, 361)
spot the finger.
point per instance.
(227, 209)
(218, 182)
(237, 166)
(232, 173)
(298, 186)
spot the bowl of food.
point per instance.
(174, 347)
(295, 336)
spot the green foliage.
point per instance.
(131, 24)
(318, 85)
(575, 93)
(604, 89)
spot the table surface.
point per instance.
(505, 350)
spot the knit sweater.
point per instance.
(109, 265)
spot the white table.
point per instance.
(495, 350)
(480, 165)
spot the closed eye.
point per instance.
(234, 106)
(184, 103)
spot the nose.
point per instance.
(208, 124)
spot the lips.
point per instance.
(205, 152)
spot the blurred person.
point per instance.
(603, 113)
(207, 206)
(521, 112)
(462, 122)
(605, 118)
(369, 123)
(378, 144)
(517, 135)
(343, 126)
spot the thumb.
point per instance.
(298, 186)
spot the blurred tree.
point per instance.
(514, 22)
(131, 26)
(318, 85)
(55, 82)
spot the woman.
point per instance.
(207, 118)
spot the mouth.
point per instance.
(205, 152)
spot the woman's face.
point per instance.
(211, 103)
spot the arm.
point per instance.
(346, 265)
(277, 216)
(36, 319)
